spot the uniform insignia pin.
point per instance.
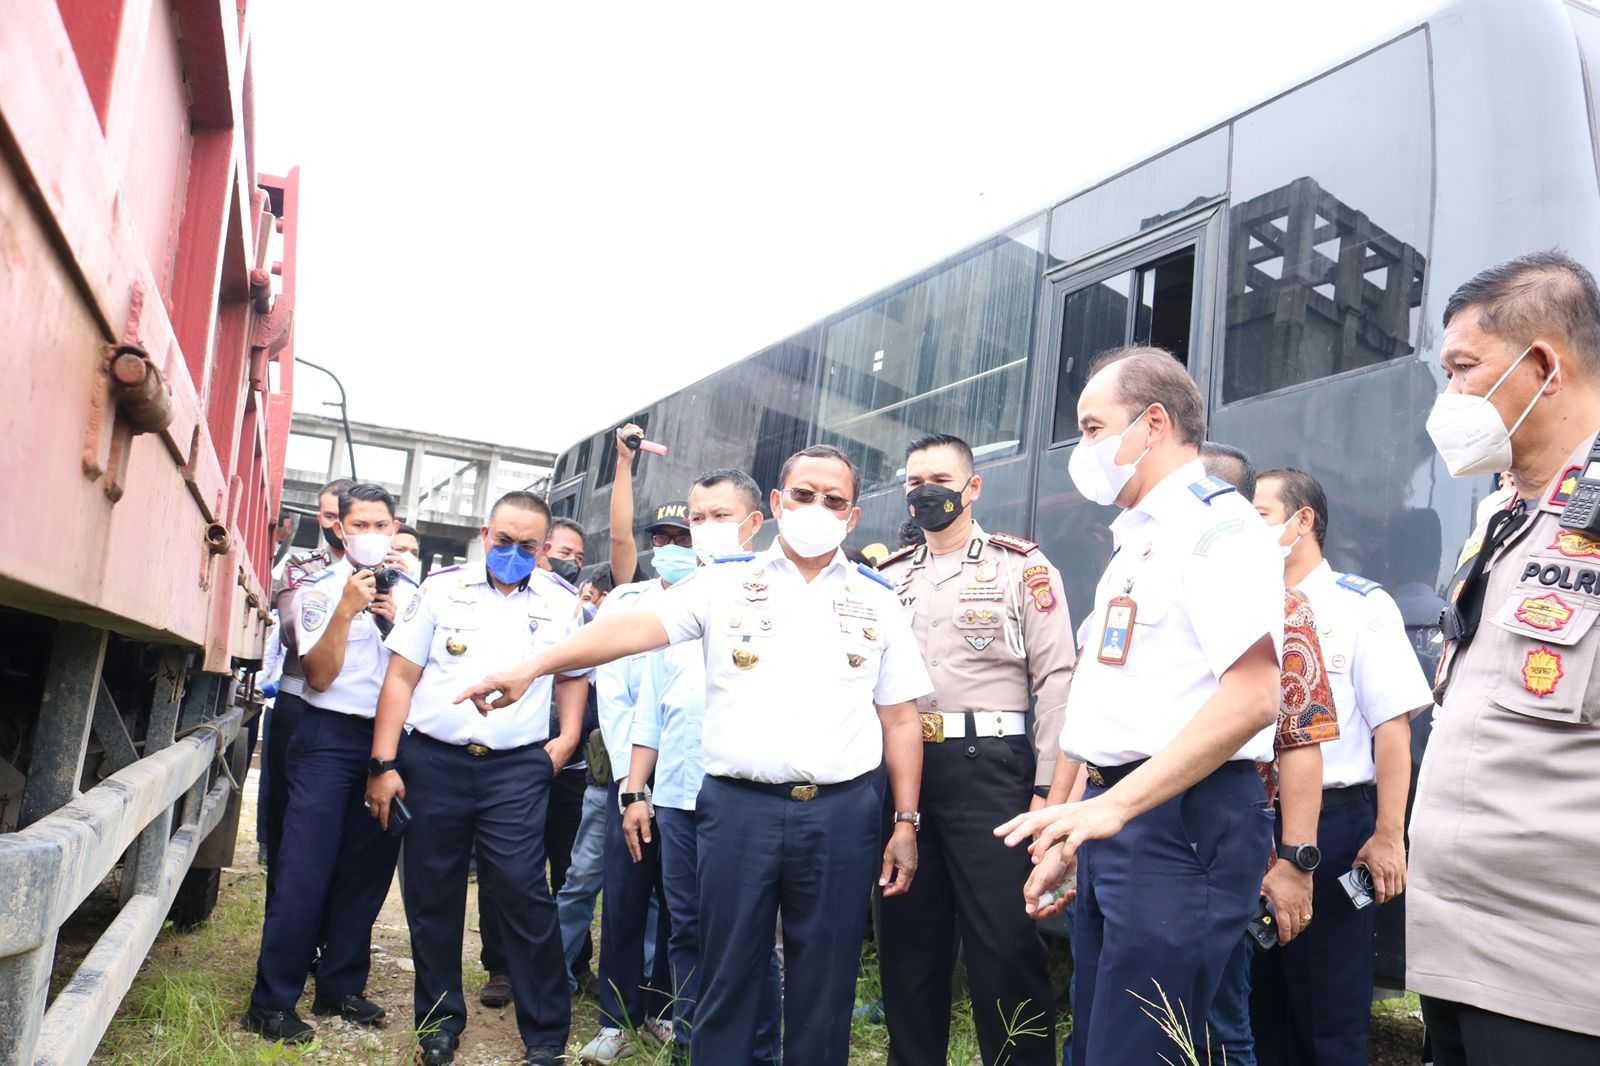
(735, 622)
(987, 571)
(744, 658)
(869, 632)
(766, 625)
(855, 660)
(455, 646)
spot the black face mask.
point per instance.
(933, 507)
(566, 570)
(335, 541)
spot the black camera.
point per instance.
(384, 578)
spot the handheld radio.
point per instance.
(1582, 512)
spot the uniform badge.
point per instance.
(981, 592)
(1118, 632)
(979, 643)
(1337, 662)
(735, 622)
(533, 625)
(1565, 486)
(932, 727)
(455, 646)
(1541, 671)
(869, 632)
(1575, 545)
(755, 591)
(744, 658)
(766, 625)
(1037, 581)
(854, 660)
(1549, 612)
(313, 612)
(412, 607)
(987, 571)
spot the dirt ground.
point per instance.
(185, 1005)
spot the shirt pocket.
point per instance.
(1550, 643)
(860, 653)
(455, 633)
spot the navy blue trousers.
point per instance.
(283, 721)
(499, 802)
(680, 876)
(560, 830)
(333, 864)
(627, 998)
(818, 861)
(1311, 999)
(1160, 908)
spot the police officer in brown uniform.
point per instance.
(1503, 907)
(989, 615)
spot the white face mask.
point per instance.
(1469, 433)
(811, 531)
(1095, 470)
(713, 540)
(1277, 534)
(367, 549)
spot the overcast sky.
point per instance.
(521, 221)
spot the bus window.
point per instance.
(947, 353)
(608, 450)
(1150, 304)
(1327, 249)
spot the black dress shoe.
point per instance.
(357, 1009)
(437, 1049)
(281, 1025)
(497, 992)
(543, 1056)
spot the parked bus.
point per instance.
(1296, 256)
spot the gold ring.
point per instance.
(1305, 921)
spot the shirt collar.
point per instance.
(1321, 574)
(1160, 502)
(775, 555)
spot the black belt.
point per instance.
(1106, 776)
(1339, 797)
(799, 791)
(477, 751)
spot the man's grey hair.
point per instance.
(1542, 292)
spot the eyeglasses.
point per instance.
(806, 497)
(680, 537)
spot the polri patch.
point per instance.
(1037, 581)
(1549, 612)
(1542, 671)
(1575, 545)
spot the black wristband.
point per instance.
(628, 799)
(1042, 791)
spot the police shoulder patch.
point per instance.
(1209, 488)
(895, 557)
(874, 575)
(1358, 584)
(1020, 545)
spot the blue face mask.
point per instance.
(511, 563)
(674, 562)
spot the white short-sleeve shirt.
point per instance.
(795, 671)
(1207, 583)
(1372, 670)
(622, 687)
(355, 690)
(460, 628)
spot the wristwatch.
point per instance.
(377, 767)
(1306, 856)
(628, 799)
(914, 817)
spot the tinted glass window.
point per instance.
(608, 451)
(1587, 26)
(1329, 225)
(947, 353)
(1151, 304)
(1141, 199)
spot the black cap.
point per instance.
(673, 515)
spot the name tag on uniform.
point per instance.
(1118, 632)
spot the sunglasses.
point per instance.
(680, 537)
(806, 497)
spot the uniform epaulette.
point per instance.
(1010, 543)
(413, 582)
(559, 580)
(1358, 584)
(742, 557)
(1209, 488)
(894, 557)
(874, 575)
(444, 570)
(320, 575)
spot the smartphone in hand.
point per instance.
(399, 816)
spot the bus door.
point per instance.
(1158, 289)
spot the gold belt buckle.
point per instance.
(803, 793)
(1095, 777)
(932, 727)
(477, 751)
